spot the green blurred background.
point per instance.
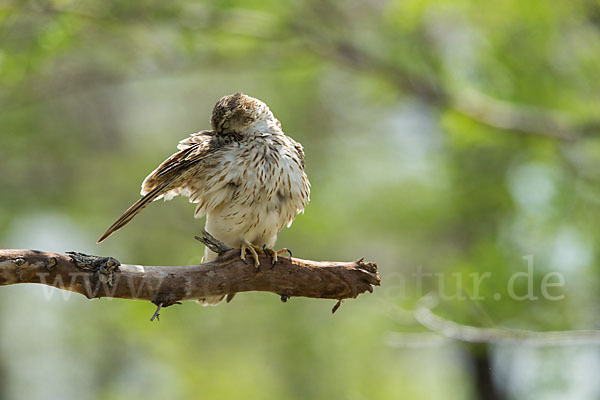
(441, 137)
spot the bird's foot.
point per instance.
(247, 246)
(274, 253)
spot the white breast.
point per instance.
(263, 189)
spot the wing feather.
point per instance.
(170, 178)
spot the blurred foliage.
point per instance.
(447, 137)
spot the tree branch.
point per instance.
(430, 88)
(465, 333)
(96, 277)
(524, 119)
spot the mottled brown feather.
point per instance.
(170, 174)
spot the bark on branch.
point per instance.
(96, 277)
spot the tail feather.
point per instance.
(133, 210)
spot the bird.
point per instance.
(245, 175)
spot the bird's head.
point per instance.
(241, 114)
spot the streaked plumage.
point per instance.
(245, 175)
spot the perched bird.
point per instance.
(245, 175)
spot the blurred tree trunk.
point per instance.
(479, 357)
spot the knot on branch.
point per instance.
(162, 301)
(104, 268)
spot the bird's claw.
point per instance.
(254, 251)
(274, 253)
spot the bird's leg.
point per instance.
(274, 253)
(247, 246)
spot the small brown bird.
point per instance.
(246, 176)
